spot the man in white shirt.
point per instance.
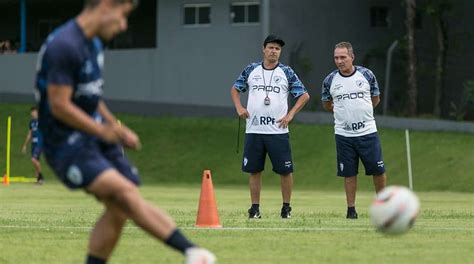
(351, 93)
(268, 82)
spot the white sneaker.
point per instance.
(197, 255)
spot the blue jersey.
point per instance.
(68, 58)
(35, 132)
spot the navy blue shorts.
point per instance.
(77, 165)
(366, 148)
(36, 150)
(276, 145)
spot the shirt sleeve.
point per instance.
(241, 83)
(295, 86)
(326, 89)
(374, 86)
(62, 64)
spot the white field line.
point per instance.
(315, 229)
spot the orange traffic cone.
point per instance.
(207, 215)
(6, 180)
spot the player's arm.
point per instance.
(27, 140)
(328, 106)
(241, 111)
(300, 103)
(127, 136)
(63, 109)
(375, 101)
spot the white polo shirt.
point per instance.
(352, 98)
(275, 84)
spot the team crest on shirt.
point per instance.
(360, 83)
(277, 79)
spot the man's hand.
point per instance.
(129, 138)
(110, 133)
(23, 149)
(119, 133)
(243, 113)
(283, 122)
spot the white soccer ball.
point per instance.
(394, 210)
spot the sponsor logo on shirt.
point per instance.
(354, 126)
(349, 96)
(268, 88)
(90, 88)
(263, 121)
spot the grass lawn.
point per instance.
(50, 224)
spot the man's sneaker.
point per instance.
(351, 214)
(254, 213)
(196, 255)
(286, 212)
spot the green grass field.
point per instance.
(50, 224)
(176, 150)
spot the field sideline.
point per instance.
(49, 224)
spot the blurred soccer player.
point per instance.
(351, 93)
(34, 136)
(82, 137)
(269, 83)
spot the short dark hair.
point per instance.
(94, 3)
(34, 108)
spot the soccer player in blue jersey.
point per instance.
(34, 136)
(269, 84)
(82, 138)
(351, 93)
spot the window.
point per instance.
(379, 17)
(245, 13)
(197, 14)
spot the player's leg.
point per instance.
(255, 186)
(254, 163)
(113, 188)
(106, 233)
(347, 167)
(380, 181)
(36, 166)
(279, 151)
(371, 155)
(35, 159)
(350, 185)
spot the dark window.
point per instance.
(189, 15)
(238, 13)
(254, 13)
(242, 13)
(197, 14)
(379, 17)
(204, 15)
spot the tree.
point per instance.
(437, 9)
(412, 80)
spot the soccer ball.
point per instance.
(394, 210)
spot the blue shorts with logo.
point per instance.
(276, 145)
(36, 150)
(78, 164)
(366, 148)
